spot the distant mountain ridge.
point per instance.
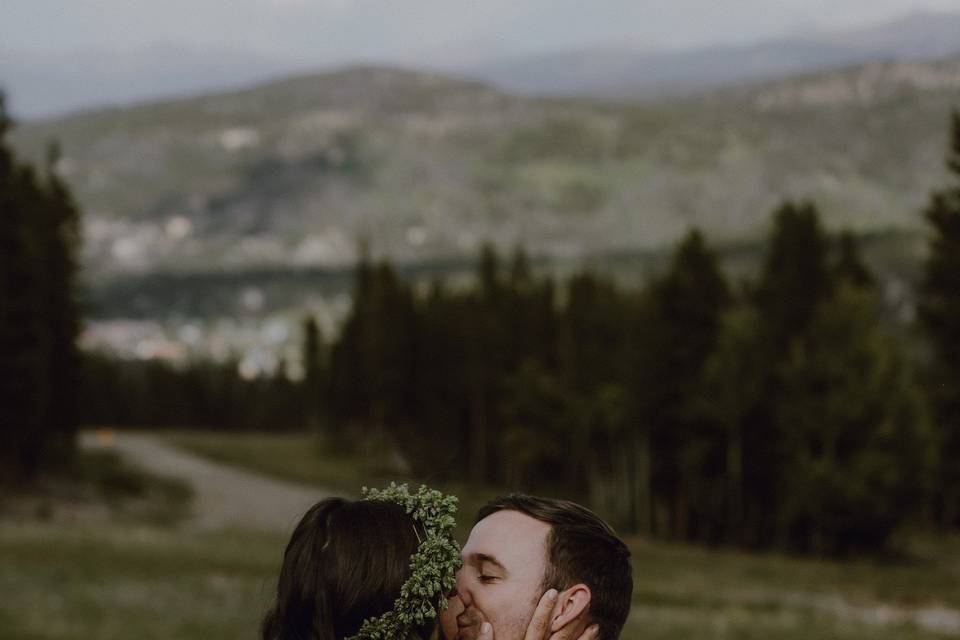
(624, 73)
(49, 85)
(425, 166)
(44, 85)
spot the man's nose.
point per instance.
(462, 591)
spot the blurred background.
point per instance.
(695, 265)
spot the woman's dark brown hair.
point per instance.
(345, 562)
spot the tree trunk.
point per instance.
(735, 487)
(640, 491)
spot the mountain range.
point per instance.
(622, 72)
(52, 84)
(422, 166)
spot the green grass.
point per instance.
(128, 491)
(100, 484)
(117, 581)
(95, 552)
(691, 592)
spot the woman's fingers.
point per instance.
(539, 627)
(590, 633)
(486, 631)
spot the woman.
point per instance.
(346, 565)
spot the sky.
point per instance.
(431, 32)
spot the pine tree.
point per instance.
(939, 312)
(796, 276)
(487, 357)
(436, 440)
(24, 392)
(353, 362)
(677, 331)
(59, 236)
(854, 423)
(795, 282)
(536, 436)
(734, 381)
(313, 370)
(849, 266)
(489, 278)
(39, 316)
(594, 329)
(594, 361)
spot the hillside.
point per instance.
(426, 166)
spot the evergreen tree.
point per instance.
(487, 358)
(372, 366)
(59, 237)
(353, 362)
(594, 362)
(436, 439)
(536, 438)
(24, 390)
(732, 392)
(39, 316)
(849, 266)
(593, 333)
(677, 331)
(795, 281)
(939, 312)
(489, 277)
(853, 421)
(313, 372)
(796, 276)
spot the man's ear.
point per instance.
(572, 604)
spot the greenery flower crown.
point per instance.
(433, 567)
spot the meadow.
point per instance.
(130, 577)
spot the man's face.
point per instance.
(500, 581)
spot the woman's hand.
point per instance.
(539, 627)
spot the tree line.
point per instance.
(199, 393)
(779, 413)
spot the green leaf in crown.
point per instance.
(433, 567)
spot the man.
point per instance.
(523, 547)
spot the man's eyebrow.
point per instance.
(480, 558)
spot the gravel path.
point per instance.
(224, 496)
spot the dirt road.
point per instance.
(224, 496)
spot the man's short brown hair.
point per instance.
(581, 548)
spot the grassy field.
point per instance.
(128, 579)
(125, 581)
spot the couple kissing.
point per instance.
(387, 567)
